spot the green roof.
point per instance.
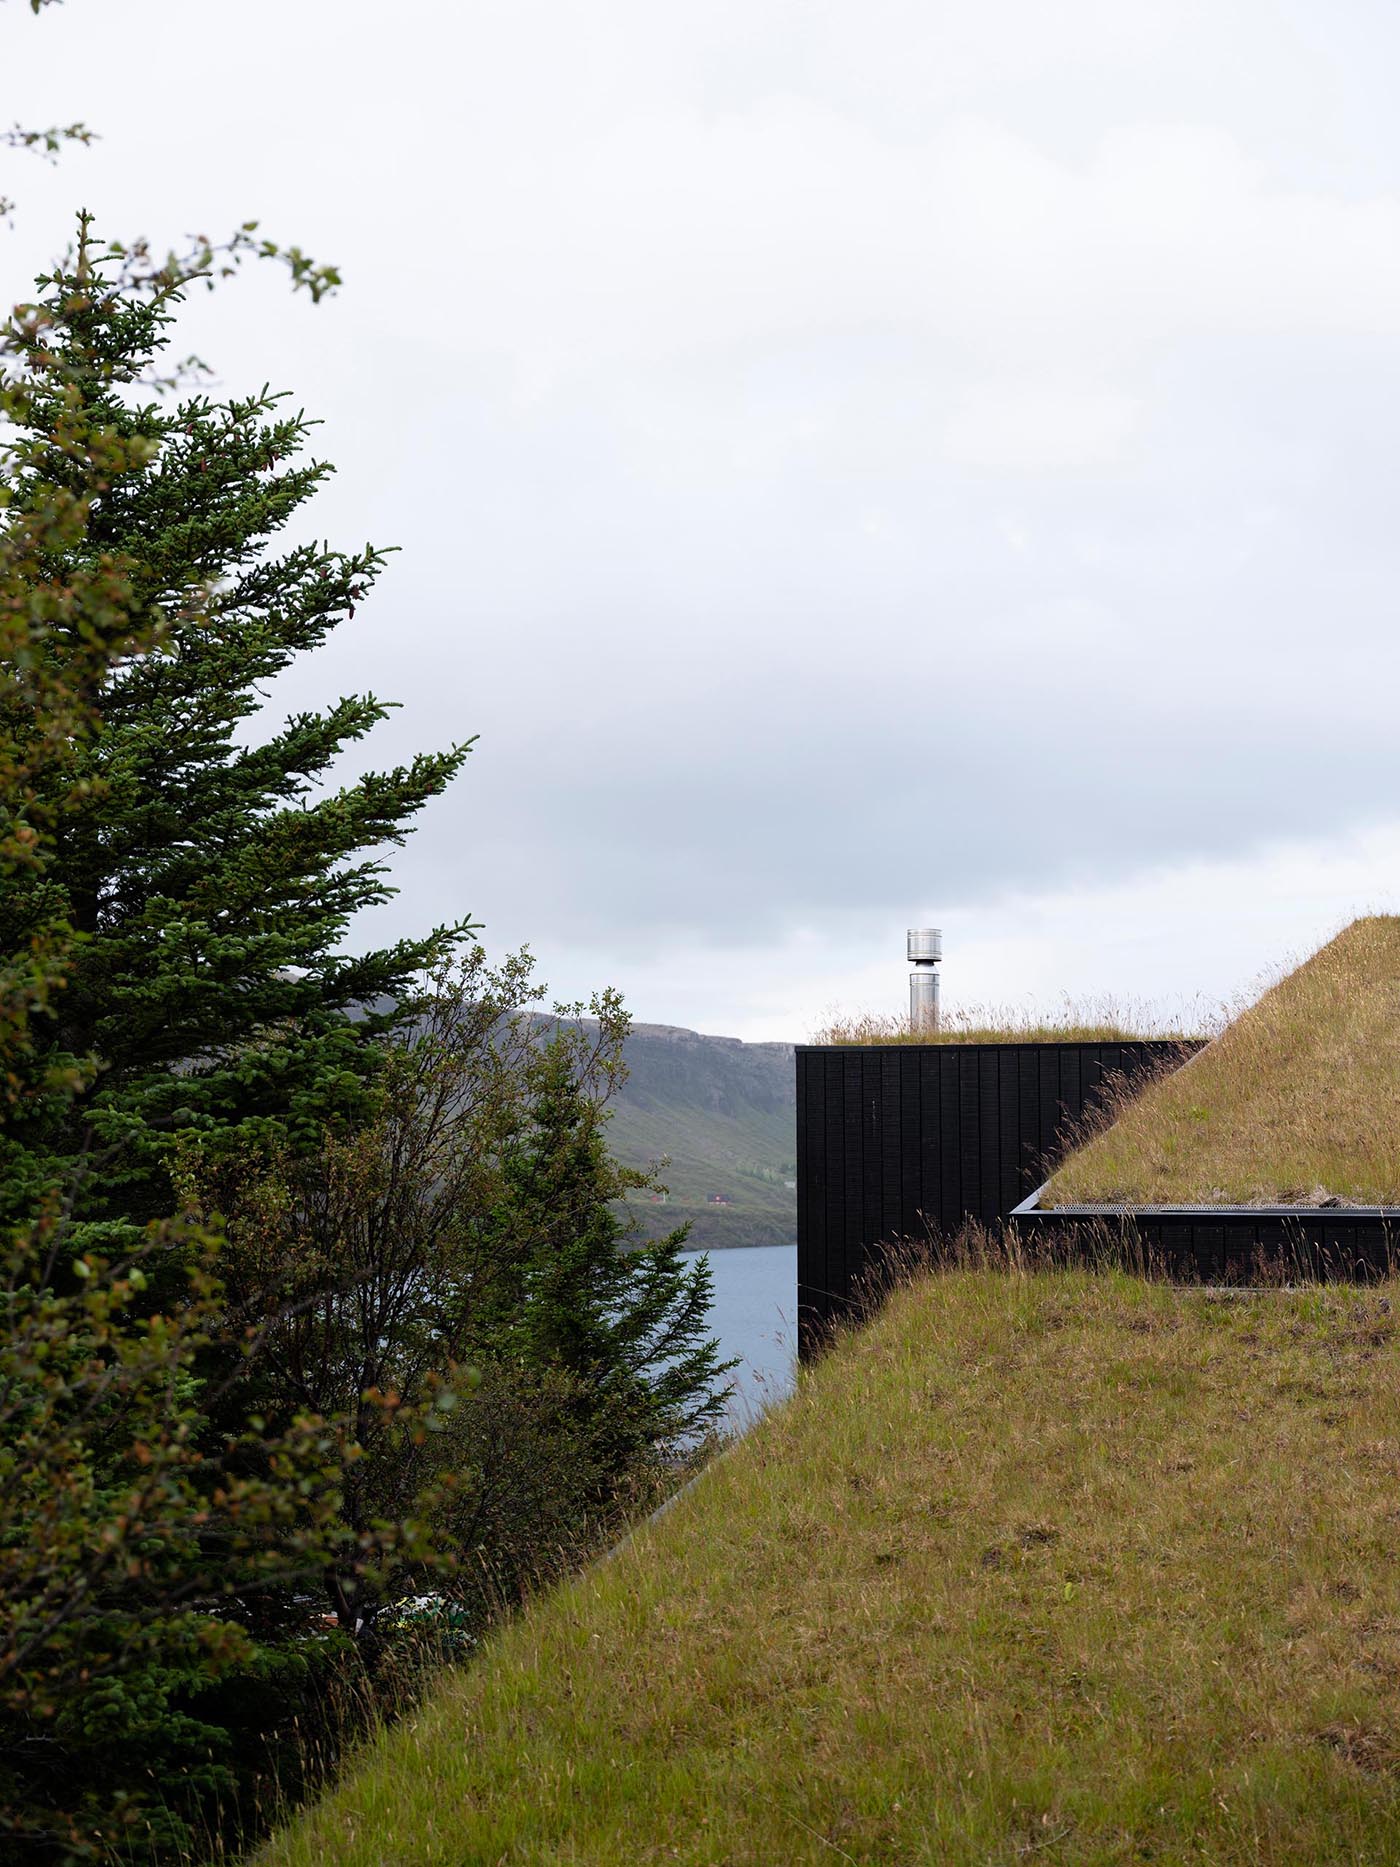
(1035, 1568)
(1298, 1100)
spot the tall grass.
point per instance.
(299, 1722)
(1298, 1099)
(1076, 1021)
(1038, 1566)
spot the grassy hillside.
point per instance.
(1037, 1568)
(725, 1113)
(1298, 1099)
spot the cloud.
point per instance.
(1180, 943)
(1038, 426)
(843, 455)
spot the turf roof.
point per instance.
(1297, 1101)
(1061, 1569)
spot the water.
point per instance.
(755, 1317)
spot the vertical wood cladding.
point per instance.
(1233, 1244)
(905, 1140)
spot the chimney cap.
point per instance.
(925, 945)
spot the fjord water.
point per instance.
(754, 1315)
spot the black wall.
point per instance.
(901, 1140)
(1234, 1244)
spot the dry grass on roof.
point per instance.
(1100, 1021)
(1298, 1100)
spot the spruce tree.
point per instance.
(132, 1540)
(470, 1243)
(630, 1323)
(209, 875)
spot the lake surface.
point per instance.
(755, 1317)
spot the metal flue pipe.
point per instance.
(925, 950)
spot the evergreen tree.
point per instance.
(629, 1323)
(209, 881)
(132, 1541)
(472, 1229)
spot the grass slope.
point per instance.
(1036, 1568)
(1299, 1097)
(746, 1158)
(724, 1112)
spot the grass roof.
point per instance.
(1103, 1022)
(1297, 1100)
(1051, 1567)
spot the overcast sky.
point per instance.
(857, 463)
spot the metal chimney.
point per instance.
(925, 951)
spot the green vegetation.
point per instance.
(208, 874)
(1298, 1100)
(447, 1278)
(1101, 1022)
(306, 1306)
(1037, 1566)
(127, 1528)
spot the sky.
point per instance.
(856, 464)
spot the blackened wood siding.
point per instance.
(1230, 1244)
(908, 1140)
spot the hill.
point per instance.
(1043, 1567)
(725, 1113)
(1298, 1100)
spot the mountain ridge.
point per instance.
(722, 1112)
